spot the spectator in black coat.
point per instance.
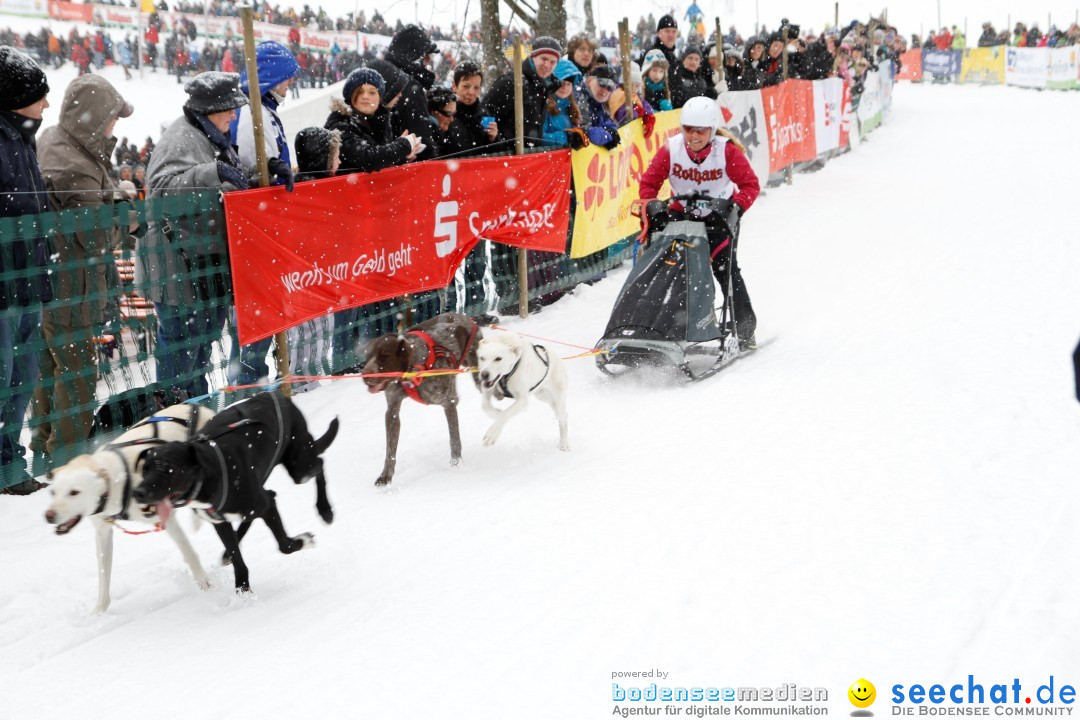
(467, 131)
(989, 37)
(408, 51)
(536, 80)
(23, 91)
(687, 81)
(367, 140)
(818, 60)
(667, 34)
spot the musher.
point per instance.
(708, 160)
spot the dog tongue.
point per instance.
(164, 510)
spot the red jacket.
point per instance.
(738, 170)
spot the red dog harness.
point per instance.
(435, 351)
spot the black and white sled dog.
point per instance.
(510, 367)
(99, 487)
(223, 469)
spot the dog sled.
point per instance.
(666, 315)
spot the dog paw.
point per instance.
(307, 540)
(327, 515)
(383, 480)
(564, 446)
(100, 609)
(204, 584)
(490, 437)
(455, 461)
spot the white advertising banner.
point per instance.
(1064, 68)
(828, 113)
(1027, 67)
(30, 8)
(744, 115)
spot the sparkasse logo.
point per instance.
(1050, 698)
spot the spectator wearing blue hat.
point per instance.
(276, 67)
(367, 141)
(562, 113)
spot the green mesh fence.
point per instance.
(139, 311)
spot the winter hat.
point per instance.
(666, 21)
(606, 72)
(127, 189)
(690, 50)
(546, 44)
(410, 44)
(395, 79)
(712, 51)
(654, 57)
(730, 51)
(212, 92)
(636, 78)
(363, 76)
(314, 146)
(567, 70)
(275, 64)
(22, 82)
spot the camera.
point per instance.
(790, 31)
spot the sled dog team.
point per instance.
(218, 463)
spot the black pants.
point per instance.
(720, 246)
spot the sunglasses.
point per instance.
(446, 114)
(690, 130)
(606, 84)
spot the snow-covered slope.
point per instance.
(886, 491)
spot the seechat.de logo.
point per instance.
(862, 695)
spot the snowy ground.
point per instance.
(887, 491)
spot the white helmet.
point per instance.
(701, 112)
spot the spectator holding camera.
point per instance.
(470, 128)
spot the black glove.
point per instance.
(614, 142)
(576, 139)
(233, 175)
(282, 171)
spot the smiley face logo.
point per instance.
(862, 693)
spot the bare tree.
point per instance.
(590, 26)
(491, 39)
(551, 19)
(548, 17)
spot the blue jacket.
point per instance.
(555, 126)
(601, 127)
(22, 192)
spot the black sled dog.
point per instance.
(223, 469)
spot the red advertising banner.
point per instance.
(78, 12)
(352, 240)
(910, 66)
(789, 120)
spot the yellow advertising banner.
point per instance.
(983, 65)
(606, 183)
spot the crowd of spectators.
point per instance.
(393, 110)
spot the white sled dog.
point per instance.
(512, 368)
(98, 487)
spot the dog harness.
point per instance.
(190, 422)
(213, 513)
(504, 388)
(435, 351)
